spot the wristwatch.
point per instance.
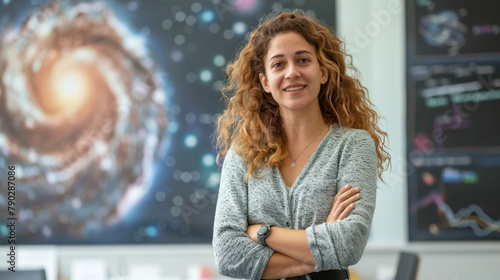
(262, 233)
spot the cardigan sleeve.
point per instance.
(236, 255)
(339, 245)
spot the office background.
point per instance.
(379, 52)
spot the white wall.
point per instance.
(374, 32)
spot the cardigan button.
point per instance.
(287, 224)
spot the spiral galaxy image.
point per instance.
(107, 109)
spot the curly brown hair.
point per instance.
(251, 123)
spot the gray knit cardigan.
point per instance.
(342, 157)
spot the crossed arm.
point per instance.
(293, 256)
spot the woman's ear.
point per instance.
(264, 82)
(324, 75)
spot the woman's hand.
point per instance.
(343, 203)
(252, 232)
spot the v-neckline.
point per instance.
(306, 166)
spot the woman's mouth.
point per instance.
(294, 88)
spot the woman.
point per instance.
(295, 136)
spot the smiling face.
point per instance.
(293, 74)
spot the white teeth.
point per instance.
(294, 88)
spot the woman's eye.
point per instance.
(303, 60)
(277, 64)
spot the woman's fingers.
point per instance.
(347, 193)
(343, 209)
(344, 194)
(346, 212)
(342, 191)
(343, 203)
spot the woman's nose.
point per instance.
(292, 71)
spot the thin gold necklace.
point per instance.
(293, 163)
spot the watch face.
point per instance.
(263, 230)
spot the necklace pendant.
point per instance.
(293, 163)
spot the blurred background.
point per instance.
(107, 110)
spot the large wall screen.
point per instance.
(453, 133)
(106, 113)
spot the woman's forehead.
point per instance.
(290, 43)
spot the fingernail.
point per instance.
(347, 186)
(356, 189)
(352, 205)
(358, 195)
